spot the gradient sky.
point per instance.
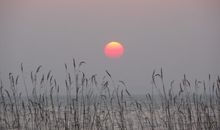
(182, 36)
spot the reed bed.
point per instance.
(106, 105)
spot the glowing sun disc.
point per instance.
(114, 50)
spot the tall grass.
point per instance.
(106, 105)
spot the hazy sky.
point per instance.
(182, 36)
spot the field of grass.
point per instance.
(107, 105)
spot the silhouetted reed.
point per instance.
(88, 104)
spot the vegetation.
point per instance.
(106, 105)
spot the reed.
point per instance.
(106, 105)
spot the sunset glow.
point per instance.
(114, 50)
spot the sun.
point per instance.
(114, 50)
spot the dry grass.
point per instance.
(107, 105)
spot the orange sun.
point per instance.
(114, 50)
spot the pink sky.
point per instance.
(182, 36)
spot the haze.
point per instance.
(182, 37)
